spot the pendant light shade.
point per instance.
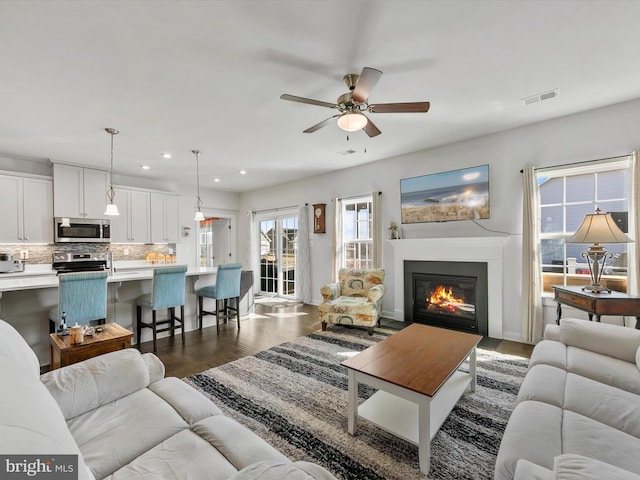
(112, 208)
(199, 215)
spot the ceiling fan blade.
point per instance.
(368, 79)
(320, 103)
(409, 107)
(318, 126)
(371, 130)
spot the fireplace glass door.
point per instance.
(448, 301)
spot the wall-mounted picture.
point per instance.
(446, 196)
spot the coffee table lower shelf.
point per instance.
(399, 416)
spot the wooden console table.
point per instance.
(597, 304)
(114, 337)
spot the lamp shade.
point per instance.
(112, 209)
(199, 217)
(599, 228)
(352, 121)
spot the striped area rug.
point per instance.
(295, 397)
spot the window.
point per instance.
(566, 196)
(357, 233)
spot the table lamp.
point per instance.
(597, 228)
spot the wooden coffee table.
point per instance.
(112, 338)
(416, 374)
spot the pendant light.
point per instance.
(112, 208)
(199, 216)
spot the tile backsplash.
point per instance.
(43, 254)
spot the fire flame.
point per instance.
(443, 298)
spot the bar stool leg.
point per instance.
(139, 325)
(217, 317)
(153, 323)
(182, 321)
(200, 306)
(237, 302)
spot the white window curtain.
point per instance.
(337, 237)
(376, 226)
(252, 254)
(303, 262)
(532, 320)
(634, 230)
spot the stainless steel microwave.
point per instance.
(81, 230)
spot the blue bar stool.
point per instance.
(82, 296)
(168, 287)
(227, 287)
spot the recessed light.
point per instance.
(243, 172)
(146, 167)
(216, 179)
(166, 155)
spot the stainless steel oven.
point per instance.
(82, 230)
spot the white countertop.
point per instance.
(46, 278)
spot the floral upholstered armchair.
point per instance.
(355, 300)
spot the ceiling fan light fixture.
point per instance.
(352, 121)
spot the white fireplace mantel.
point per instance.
(456, 249)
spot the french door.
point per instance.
(278, 251)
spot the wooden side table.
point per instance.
(597, 304)
(112, 338)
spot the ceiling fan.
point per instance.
(355, 101)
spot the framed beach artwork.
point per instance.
(446, 196)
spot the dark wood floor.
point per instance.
(267, 327)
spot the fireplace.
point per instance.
(447, 294)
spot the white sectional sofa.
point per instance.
(124, 420)
(578, 412)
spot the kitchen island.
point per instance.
(26, 298)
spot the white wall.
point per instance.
(600, 133)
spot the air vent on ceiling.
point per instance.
(540, 97)
(348, 152)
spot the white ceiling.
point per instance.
(177, 75)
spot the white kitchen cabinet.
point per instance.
(27, 210)
(79, 192)
(133, 223)
(165, 220)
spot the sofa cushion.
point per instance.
(610, 340)
(638, 358)
(356, 282)
(349, 305)
(601, 402)
(533, 433)
(240, 446)
(599, 367)
(272, 470)
(184, 456)
(101, 380)
(525, 470)
(544, 383)
(585, 436)
(603, 368)
(549, 352)
(577, 467)
(189, 403)
(114, 434)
